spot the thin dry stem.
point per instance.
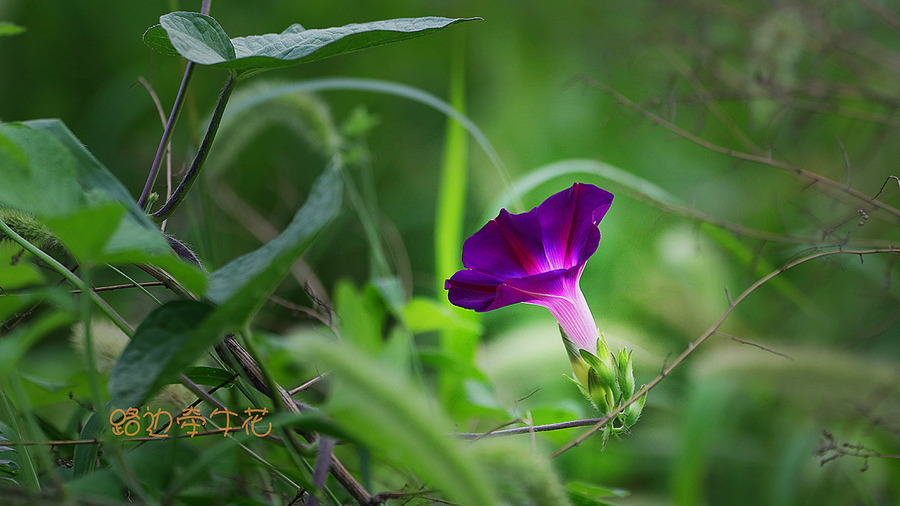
(810, 176)
(162, 117)
(706, 335)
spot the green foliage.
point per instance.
(244, 283)
(523, 477)
(39, 172)
(362, 316)
(200, 39)
(160, 348)
(53, 177)
(7, 29)
(588, 494)
(17, 274)
(175, 334)
(8, 467)
(397, 421)
(734, 147)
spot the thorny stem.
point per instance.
(598, 423)
(202, 152)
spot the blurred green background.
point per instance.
(811, 83)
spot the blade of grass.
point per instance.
(451, 200)
(459, 343)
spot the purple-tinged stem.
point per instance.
(170, 124)
(202, 152)
(167, 133)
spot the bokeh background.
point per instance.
(810, 83)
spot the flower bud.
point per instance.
(625, 373)
(604, 370)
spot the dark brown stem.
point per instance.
(202, 152)
(124, 286)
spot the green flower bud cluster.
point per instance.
(607, 380)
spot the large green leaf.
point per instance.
(174, 335)
(93, 176)
(155, 353)
(47, 172)
(249, 279)
(200, 39)
(38, 172)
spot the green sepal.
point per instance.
(579, 366)
(632, 413)
(606, 372)
(625, 373)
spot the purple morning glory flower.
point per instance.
(537, 258)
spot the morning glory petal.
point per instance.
(537, 258)
(569, 224)
(507, 246)
(473, 289)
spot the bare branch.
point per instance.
(831, 449)
(712, 330)
(756, 345)
(812, 177)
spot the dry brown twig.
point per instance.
(831, 449)
(712, 330)
(810, 176)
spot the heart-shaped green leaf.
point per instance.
(200, 39)
(199, 36)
